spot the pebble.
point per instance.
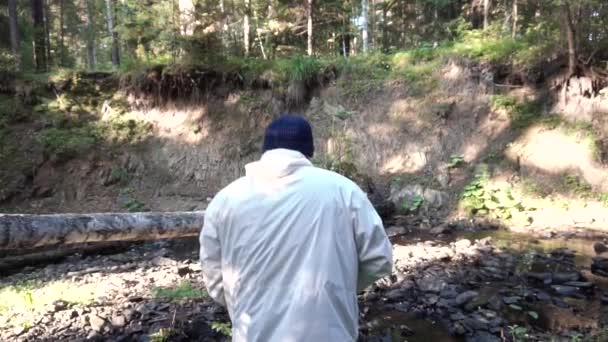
(465, 297)
(96, 322)
(564, 290)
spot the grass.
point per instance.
(21, 303)
(523, 114)
(183, 291)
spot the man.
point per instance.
(287, 247)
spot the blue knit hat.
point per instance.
(291, 132)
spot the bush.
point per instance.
(67, 143)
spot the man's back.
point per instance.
(293, 242)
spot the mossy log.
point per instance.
(29, 231)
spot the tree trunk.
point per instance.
(91, 59)
(571, 37)
(61, 33)
(384, 27)
(47, 33)
(365, 28)
(14, 32)
(29, 231)
(310, 33)
(246, 28)
(114, 35)
(486, 14)
(39, 37)
(515, 18)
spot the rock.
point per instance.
(543, 296)
(600, 248)
(580, 284)
(482, 336)
(458, 316)
(544, 278)
(59, 305)
(94, 336)
(564, 290)
(462, 244)
(119, 321)
(465, 297)
(440, 229)
(599, 266)
(431, 283)
(459, 329)
(96, 322)
(395, 231)
(495, 303)
(476, 323)
(560, 278)
(135, 299)
(511, 300)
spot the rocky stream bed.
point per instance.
(449, 284)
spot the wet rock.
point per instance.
(599, 266)
(580, 284)
(441, 229)
(94, 336)
(543, 278)
(465, 297)
(495, 303)
(600, 247)
(482, 336)
(511, 300)
(476, 323)
(563, 290)
(431, 283)
(96, 322)
(458, 316)
(395, 231)
(543, 296)
(560, 278)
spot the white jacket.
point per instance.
(286, 249)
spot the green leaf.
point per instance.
(516, 307)
(533, 314)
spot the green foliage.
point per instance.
(481, 198)
(604, 199)
(522, 114)
(7, 61)
(577, 186)
(64, 144)
(300, 68)
(455, 161)
(185, 291)
(223, 328)
(519, 333)
(411, 205)
(163, 335)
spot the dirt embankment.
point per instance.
(168, 139)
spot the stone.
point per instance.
(511, 300)
(543, 296)
(465, 297)
(96, 322)
(430, 283)
(458, 316)
(395, 231)
(440, 229)
(119, 321)
(495, 303)
(476, 323)
(563, 290)
(59, 305)
(462, 244)
(600, 247)
(482, 336)
(94, 336)
(580, 284)
(560, 278)
(544, 277)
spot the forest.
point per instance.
(477, 128)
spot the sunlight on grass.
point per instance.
(19, 304)
(183, 291)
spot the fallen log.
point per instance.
(29, 231)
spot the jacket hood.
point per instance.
(276, 163)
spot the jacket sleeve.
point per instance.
(211, 262)
(373, 246)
